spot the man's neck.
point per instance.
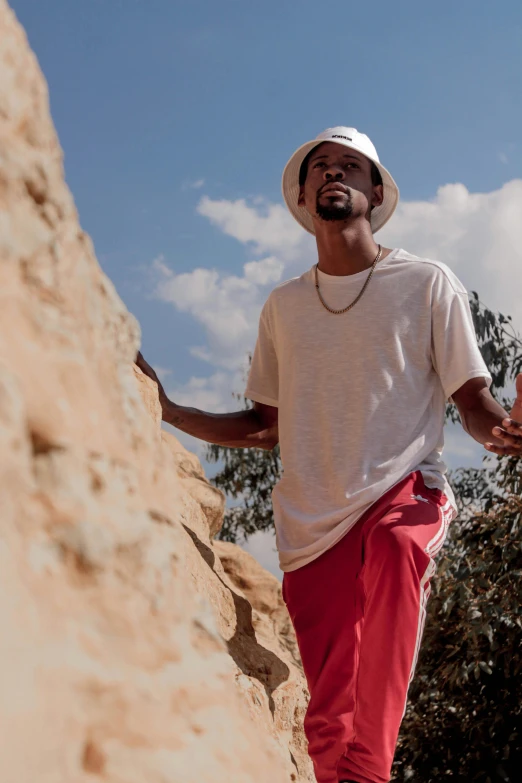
(346, 251)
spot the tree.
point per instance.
(464, 708)
(247, 475)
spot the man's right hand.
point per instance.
(255, 427)
(150, 373)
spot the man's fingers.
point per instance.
(512, 451)
(509, 440)
(512, 442)
(512, 426)
(145, 367)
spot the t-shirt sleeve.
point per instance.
(455, 353)
(263, 379)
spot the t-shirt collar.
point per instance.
(347, 279)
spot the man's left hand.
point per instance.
(511, 431)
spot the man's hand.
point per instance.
(248, 428)
(511, 432)
(149, 372)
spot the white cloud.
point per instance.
(479, 235)
(268, 227)
(269, 270)
(213, 393)
(227, 306)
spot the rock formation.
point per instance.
(134, 647)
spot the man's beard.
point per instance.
(334, 211)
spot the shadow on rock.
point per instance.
(253, 659)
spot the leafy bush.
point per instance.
(464, 711)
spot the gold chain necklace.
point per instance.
(338, 312)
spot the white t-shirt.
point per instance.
(361, 395)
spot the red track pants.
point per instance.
(358, 611)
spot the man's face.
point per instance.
(338, 184)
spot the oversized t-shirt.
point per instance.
(361, 395)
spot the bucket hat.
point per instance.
(348, 137)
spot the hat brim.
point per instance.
(290, 187)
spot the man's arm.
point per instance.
(252, 428)
(485, 420)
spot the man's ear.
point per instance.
(378, 195)
(301, 198)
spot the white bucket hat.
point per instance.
(348, 137)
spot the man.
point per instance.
(354, 362)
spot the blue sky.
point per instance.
(176, 120)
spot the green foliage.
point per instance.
(500, 346)
(247, 476)
(464, 707)
(464, 710)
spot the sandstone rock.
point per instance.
(273, 630)
(128, 652)
(210, 499)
